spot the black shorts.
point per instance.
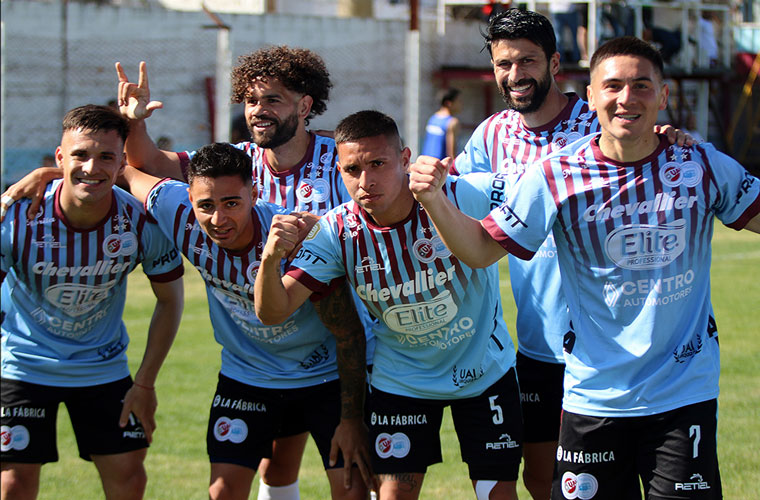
(541, 392)
(29, 414)
(405, 432)
(674, 453)
(244, 420)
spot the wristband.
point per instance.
(147, 388)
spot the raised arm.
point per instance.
(141, 398)
(463, 235)
(283, 293)
(140, 183)
(135, 104)
(338, 313)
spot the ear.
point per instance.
(590, 98)
(664, 93)
(254, 192)
(304, 106)
(554, 64)
(123, 164)
(406, 155)
(189, 195)
(59, 157)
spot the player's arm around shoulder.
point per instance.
(31, 186)
(283, 294)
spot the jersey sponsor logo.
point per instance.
(317, 190)
(238, 404)
(421, 282)
(530, 397)
(422, 317)
(13, 438)
(583, 486)
(100, 268)
(392, 445)
(318, 356)
(243, 313)
(509, 217)
(22, 412)
(48, 241)
(203, 251)
(234, 430)
(66, 328)
(464, 376)
(510, 167)
(662, 202)
(352, 221)
(315, 229)
(688, 173)
(745, 186)
(688, 350)
(666, 290)
(166, 258)
(217, 282)
(252, 271)
(584, 457)
(645, 246)
(368, 264)
(505, 441)
(76, 300)
(695, 482)
(120, 244)
(398, 419)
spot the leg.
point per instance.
(20, 481)
(282, 469)
(230, 482)
(538, 468)
(495, 490)
(400, 486)
(122, 474)
(358, 490)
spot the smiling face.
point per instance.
(374, 170)
(273, 113)
(523, 75)
(627, 94)
(91, 163)
(222, 206)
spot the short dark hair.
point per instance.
(96, 118)
(449, 95)
(628, 46)
(220, 159)
(299, 70)
(514, 24)
(367, 123)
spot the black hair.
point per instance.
(219, 160)
(628, 46)
(367, 123)
(514, 24)
(96, 118)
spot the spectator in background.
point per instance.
(565, 14)
(441, 129)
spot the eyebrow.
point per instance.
(224, 198)
(638, 79)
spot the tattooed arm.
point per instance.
(338, 313)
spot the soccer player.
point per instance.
(282, 88)
(538, 119)
(279, 380)
(442, 340)
(442, 127)
(64, 278)
(632, 218)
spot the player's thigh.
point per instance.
(678, 453)
(95, 412)
(243, 422)
(230, 481)
(400, 485)
(490, 430)
(404, 433)
(122, 474)
(357, 491)
(19, 480)
(541, 391)
(596, 458)
(28, 420)
(282, 468)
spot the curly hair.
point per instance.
(299, 70)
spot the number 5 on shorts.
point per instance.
(498, 416)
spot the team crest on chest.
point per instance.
(317, 190)
(561, 139)
(252, 271)
(123, 244)
(688, 173)
(427, 250)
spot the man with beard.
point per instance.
(282, 88)
(538, 119)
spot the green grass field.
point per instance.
(177, 463)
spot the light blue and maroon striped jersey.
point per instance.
(299, 352)
(634, 246)
(314, 185)
(441, 333)
(503, 143)
(64, 289)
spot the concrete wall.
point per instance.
(55, 59)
